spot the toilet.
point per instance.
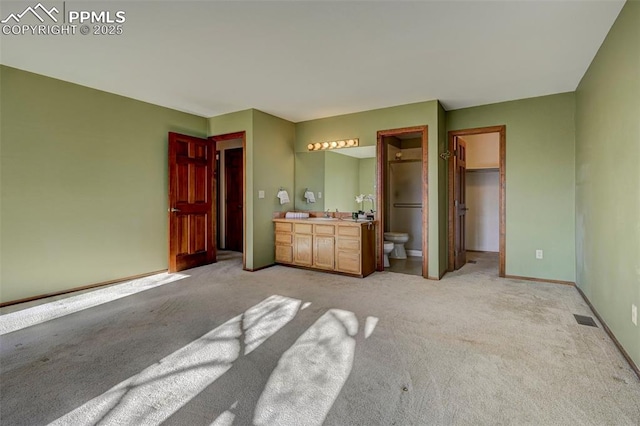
(398, 239)
(388, 248)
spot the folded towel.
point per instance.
(296, 215)
(283, 196)
(309, 195)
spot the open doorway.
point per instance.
(402, 201)
(230, 155)
(477, 198)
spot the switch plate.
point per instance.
(634, 314)
(260, 194)
(539, 254)
(319, 194)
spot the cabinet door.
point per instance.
(302, 249)
(324, 247)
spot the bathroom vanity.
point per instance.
(327, 244)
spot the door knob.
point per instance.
(173, 210)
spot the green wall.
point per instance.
(341, 182)
(84, 184)
(273, 167)
(365, 125)
(269, 166)
(608, 179)
(540, 181)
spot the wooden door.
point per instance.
(459, 200)
(192, 231)
(234, 197)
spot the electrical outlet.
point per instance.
(319, 194)
(539, 254)
(260, 194)
(634, 314)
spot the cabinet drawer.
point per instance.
(349, 244)
(284, 254)
(349, 231)
(348, 262)
(282, 238)
(283, 227)
(302, 228)
(325, 229)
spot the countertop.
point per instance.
(319, 220)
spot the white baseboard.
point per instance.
(416, 253)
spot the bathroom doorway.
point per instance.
(477, 185)
(230, 154)
(402, 201)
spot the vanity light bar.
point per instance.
(347, 143)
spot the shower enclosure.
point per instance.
(405, 202)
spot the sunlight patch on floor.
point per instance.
(301, 389)
(49, 311)
(226, 418)
(369, 326)
(310, 374)
(160, 390)
(264, 320)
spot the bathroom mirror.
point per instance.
(335, 177)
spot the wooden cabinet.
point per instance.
(341, 246)
(349, 250)
(284, 242)
(324, 246)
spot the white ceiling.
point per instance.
(306, 60)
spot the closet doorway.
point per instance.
(477, 207)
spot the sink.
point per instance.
(324, 218)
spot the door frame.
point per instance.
(502, 130)
(225, 137)
(381, 160)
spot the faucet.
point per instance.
(326, 214)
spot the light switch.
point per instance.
(260, 194)
(319, 194)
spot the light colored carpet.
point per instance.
(286, 346)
